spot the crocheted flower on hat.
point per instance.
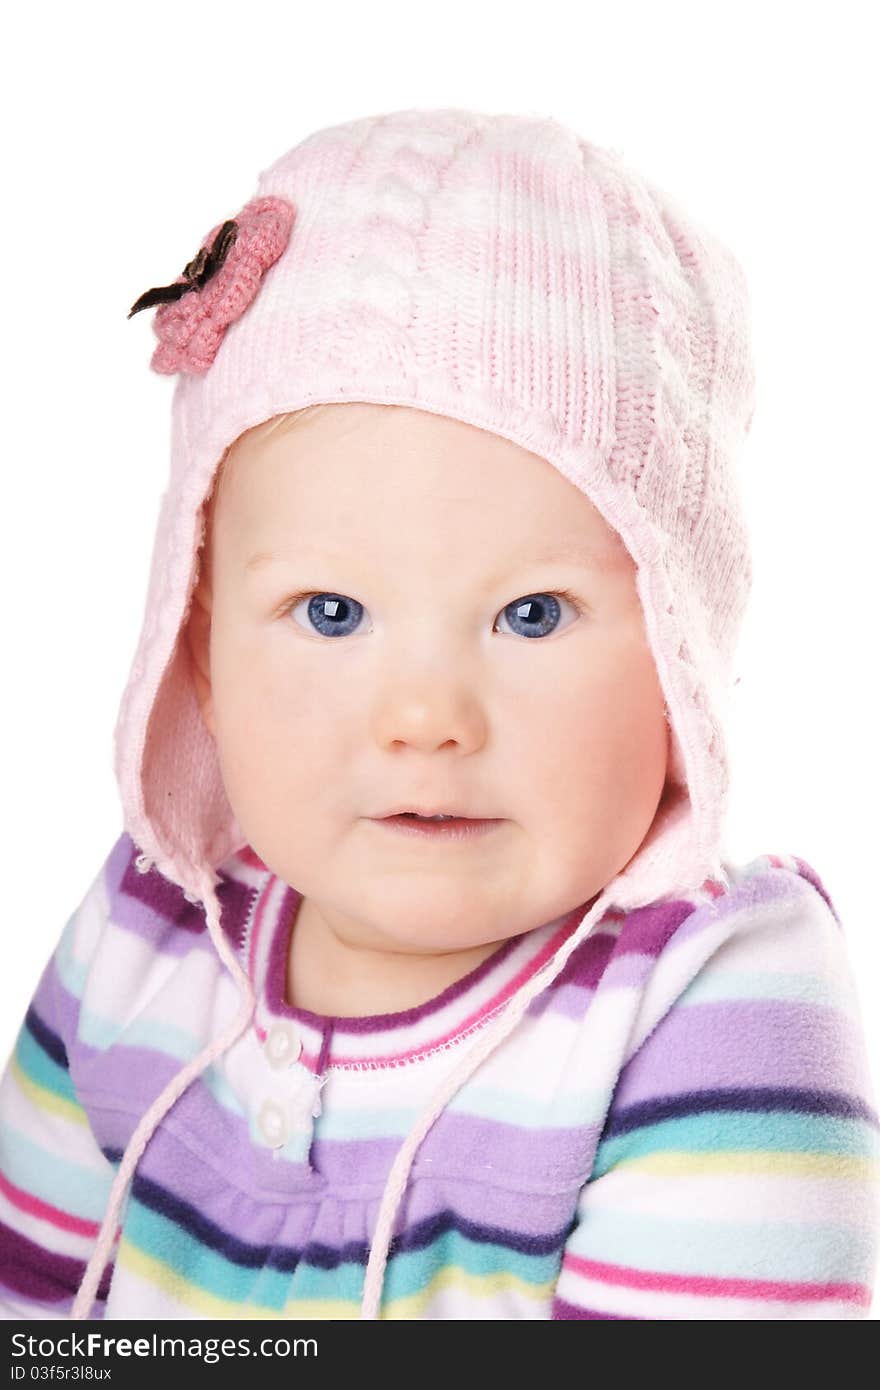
(216, 286)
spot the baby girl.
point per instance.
(418, 983)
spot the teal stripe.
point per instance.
(768, 1249)
(211, 1272)
(413, 1270)
(38, 1066)
(710, 987)
(367, 1124)
(222, 1091)
(408, 1273)
(102, 1033)
(746, 1131)
(66, 1184)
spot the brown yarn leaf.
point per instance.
(196, 273)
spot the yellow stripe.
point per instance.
(48, 1100)
(803, 1165)
(477, 1286)
(156, 1272)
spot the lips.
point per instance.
(429, 812)
(448, 829)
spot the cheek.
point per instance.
(599, 763)
(280, 723)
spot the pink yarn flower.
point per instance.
(217, 285)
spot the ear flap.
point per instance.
(184, 795)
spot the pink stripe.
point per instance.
(255, 930)
(34, 1207)
(713, 1287)
(248, 855)
(494, 1003)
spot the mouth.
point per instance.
(438, 826)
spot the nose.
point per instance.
(429, 713)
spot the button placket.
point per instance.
(294, 1100)
(283, 1046)
(306, 1100)
(273, 1124)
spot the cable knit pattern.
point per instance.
(504, 271)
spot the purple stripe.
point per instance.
(763, 1100)
(621, 963)
(759, 890)
(156, 910)
(282, 1252)
(125, 1077)
(30, 1271)
(646, 930)
(537, 1213)
(562, 1309)
(56, 1006)
(809, 873)
(118, 860)
(742, 1042)
(586, 964)
(276, 1184)
(44, 1036)
(119, 1085)
(273, 1218)
(573, 1002)
(570, 1002)
(617, 960)
(150, 907)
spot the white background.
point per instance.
(129, 130)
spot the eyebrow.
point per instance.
(573, 551)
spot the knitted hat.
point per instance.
(505, 272)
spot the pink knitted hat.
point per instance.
(501, 270)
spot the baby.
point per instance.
(418, 983)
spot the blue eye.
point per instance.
(336, 615)
(535, 615)
(333, 615)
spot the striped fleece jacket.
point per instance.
(681, 1126)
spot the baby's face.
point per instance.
(414, 672)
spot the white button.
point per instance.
(273, 1124)
(283, 1046)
